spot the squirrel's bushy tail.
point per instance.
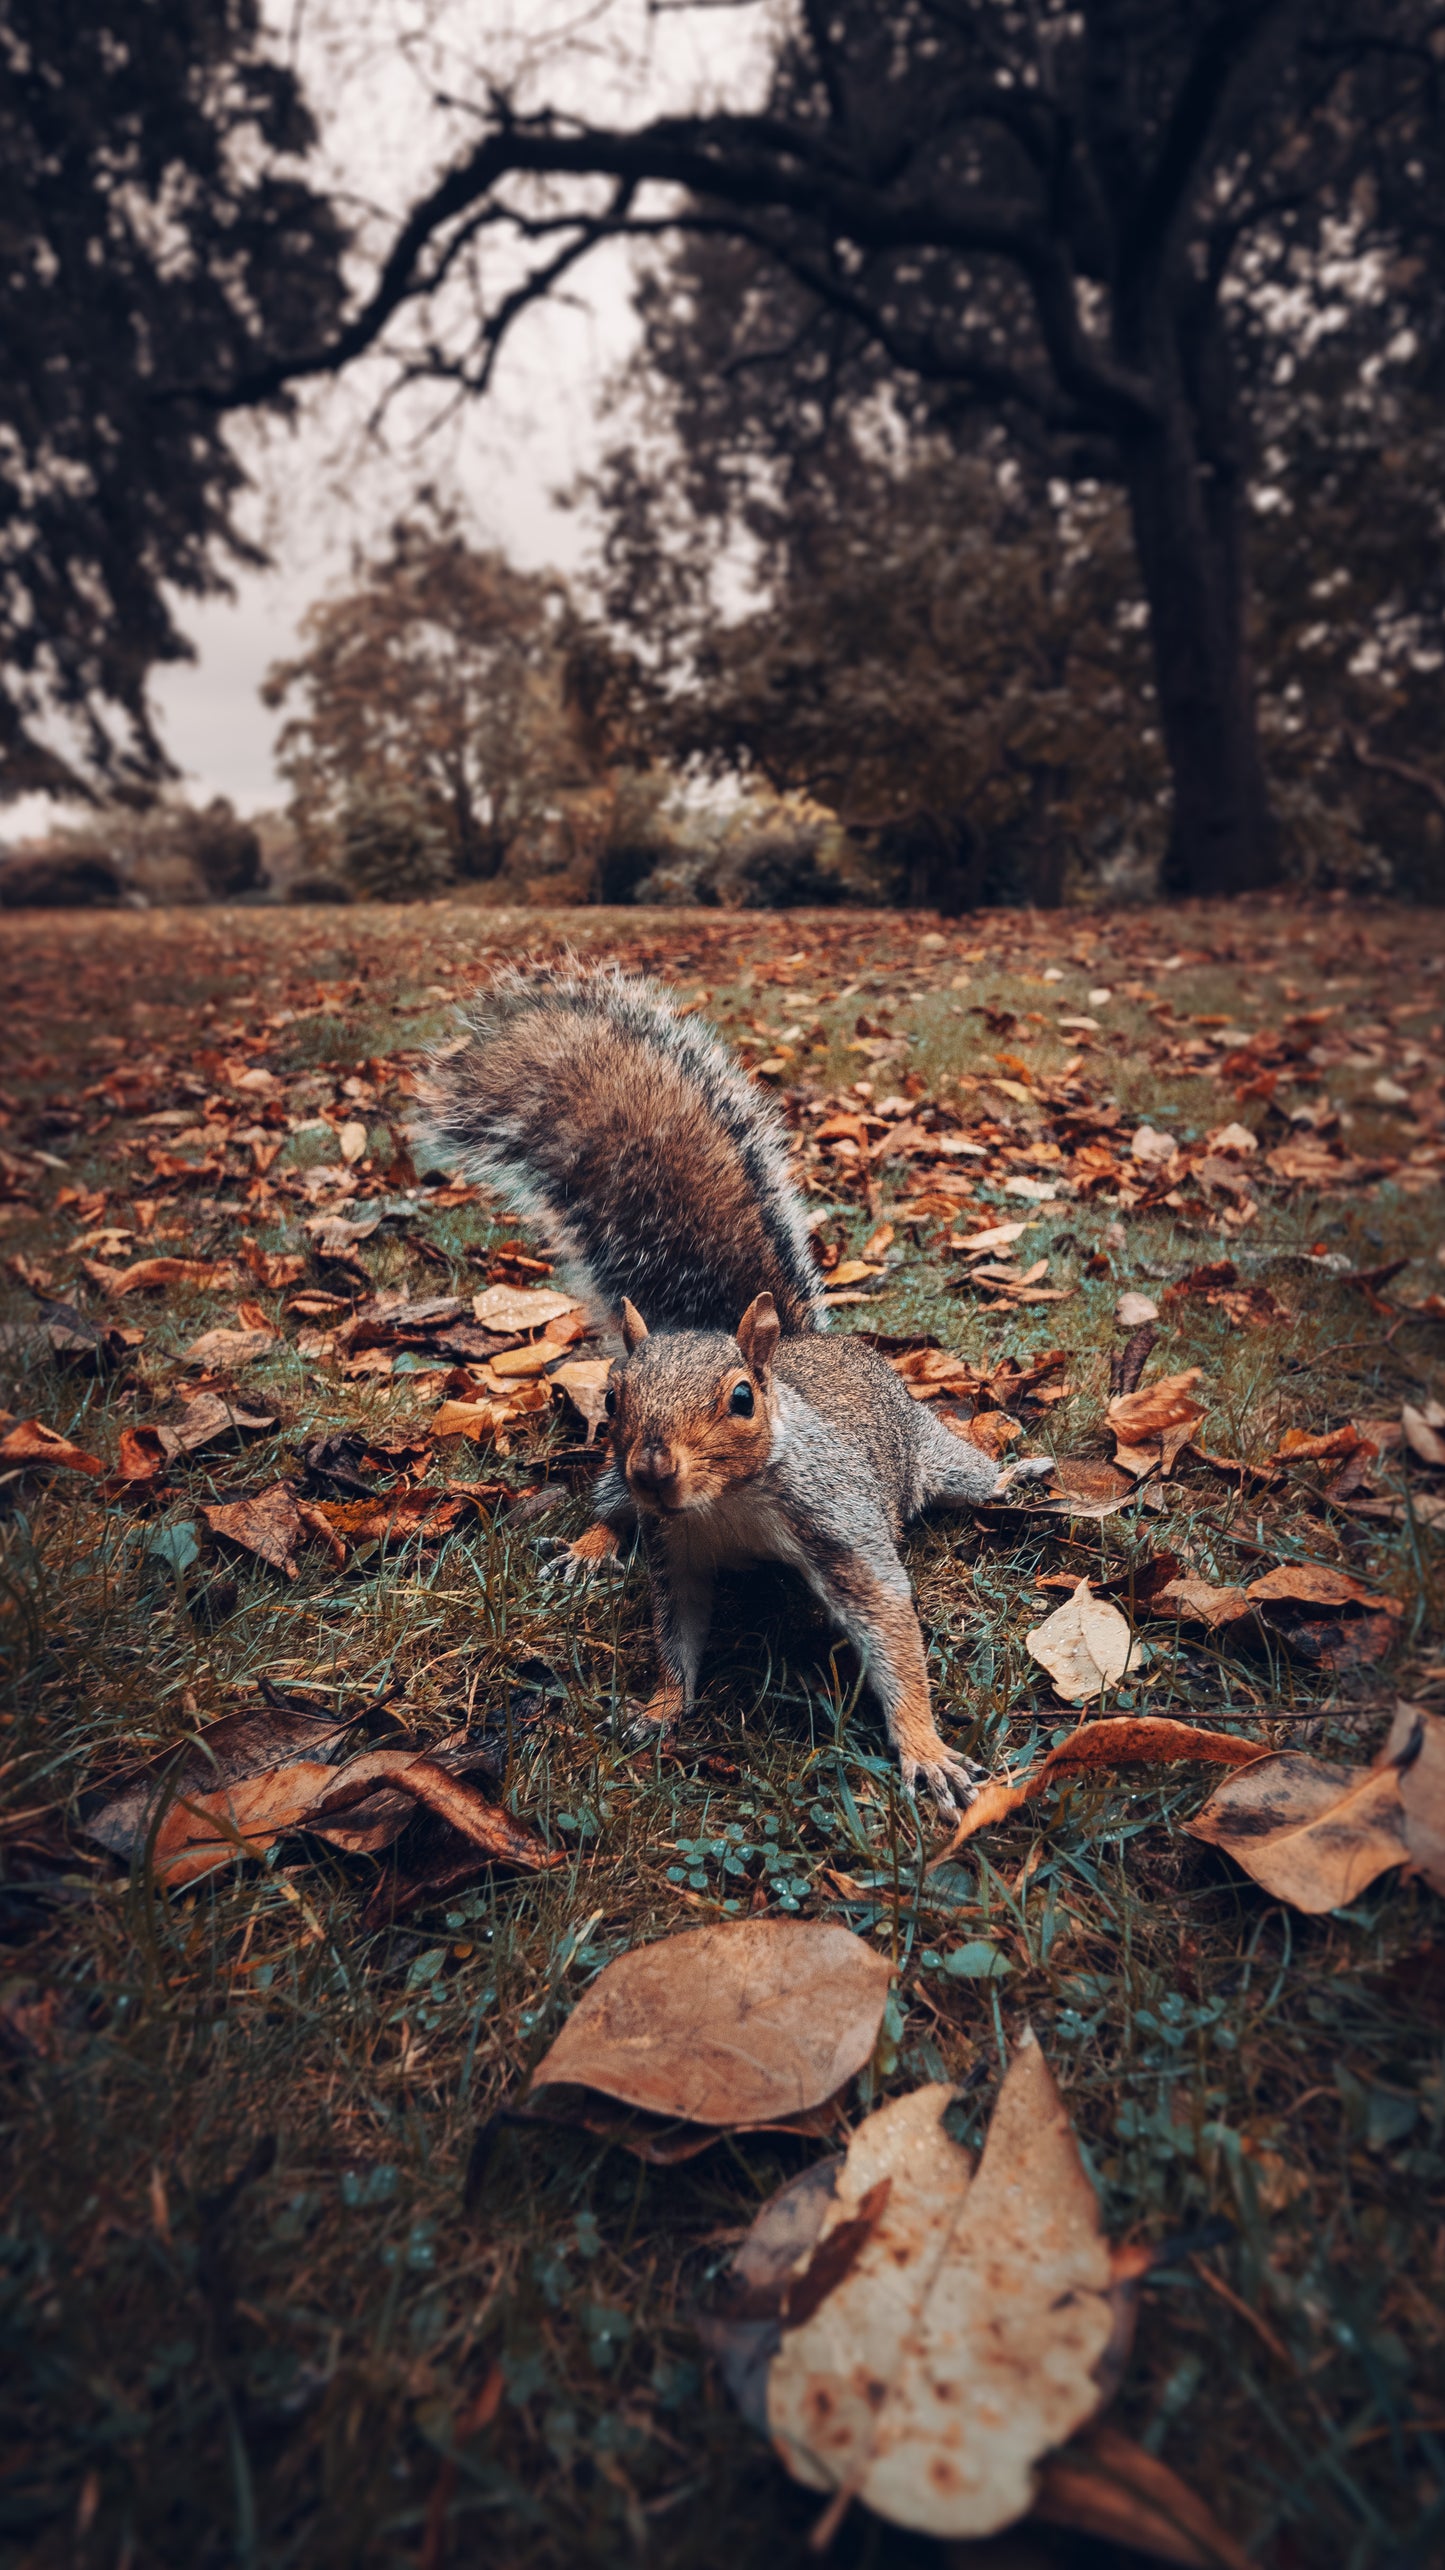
(632, 1144)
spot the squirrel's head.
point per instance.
(692, 1410)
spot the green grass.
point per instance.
(282, 2373)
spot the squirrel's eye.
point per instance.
(610, 1404)
(740, 1400)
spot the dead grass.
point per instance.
(246, 2316)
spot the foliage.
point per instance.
(159, 233)
(439, 674)
(391, 848)
(241, 2120)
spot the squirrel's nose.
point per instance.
(652, 1468)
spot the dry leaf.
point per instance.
(992, 1431)
(584, 1379)
(238, 1746)
(1197, 1601)
(151, 1274)
(247, 1817)
(1416, 1747)
(269, 1524)
(400, 1513)
(998, 1236)
(1316, 1584)
(1311, 1834)
(1155, 1407)
(1135, 1311)
(520, 1307)
(206, 1416)
(523, 1361)
(1085, 1645)
(1297, 1445)
(352, 1139)
(1105, 2485)
(274, 1268)
(962, 2341)
(1422, 1434)
(31, 1442)
(750, 2023)
(226, 1348)
(1121, 1740)
(143, 1455)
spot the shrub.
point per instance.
(390, 850)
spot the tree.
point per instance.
(438, 673)
(157, 227)
(1070, 214)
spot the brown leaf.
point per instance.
(1120, 1740)
(226, 1348)
(1309, 1833)
(226, 1752)
(1297, 1445)
(1415, 1746)
(152, 1275)
(1085, 1645)
(1103, 2484)
(584, 1379)
(1316, 1584)
(269, 1524)
(143, 1455)
(274, 1268)
(205, 1416)
(749, 2023)
(1198, 1601)
(520, 1307)
(388, 1518)
(1155, 1408)
(1422, 1433)
(962, 2343)
(247, 1817)
(30, 1442)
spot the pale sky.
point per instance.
(372, 70)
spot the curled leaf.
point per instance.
(1085, 1645)
(1121, 1740)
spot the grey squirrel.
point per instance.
(657, 1177)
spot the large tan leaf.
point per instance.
(748, 2023)
(1198, 1601)
(226, 1348)
(1317, 1584)
(962, 2342)
(1151, 1425)
(1085, 1645)
(226, 1752)
(152, 1275)
(1312, 1834)
(1122, 1740)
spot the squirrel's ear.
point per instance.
(634, 1327)
(758, 1332)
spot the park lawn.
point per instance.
(353, 2355)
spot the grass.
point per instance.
(252, 2312)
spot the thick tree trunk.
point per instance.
(1189, 537)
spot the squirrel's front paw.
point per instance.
(1027, 1468)
(595, 1555)
(647, 1724)
(953, 1782)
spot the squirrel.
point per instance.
(741, 1429)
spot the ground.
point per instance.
(253, 2312)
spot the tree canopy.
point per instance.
(159, 230)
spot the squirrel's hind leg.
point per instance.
(682, 1594)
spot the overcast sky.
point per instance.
(372, 70)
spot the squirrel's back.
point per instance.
(632, 1144)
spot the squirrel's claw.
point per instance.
(953, 1782)
(568, 1565)
(1027, 1468)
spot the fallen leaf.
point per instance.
(1309, 1833)
(245, 1818)
(584, 1379)
(269, 1525)
(1152, 1425)
(1422, 1434)
(1316, 1584)
(1415, 1746)
(352, 1139)
(1085, 1645)
(1103, 2484)
(207, 1416)
(274, 1268)
(519, 1362)
(388, 1518)
(520, 1307)
(992, 1431)
(143, 1455)
(998, 1236)
(1198, 1601)
(962, 2341)
(1120, 1740)
(30, 1441)
(226, 1348)
(879, 1242)
(749, 2023)
(852, 1271)
(226, 1752)
(1298, 1446)
(1133, 1311)
(151, 1275)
